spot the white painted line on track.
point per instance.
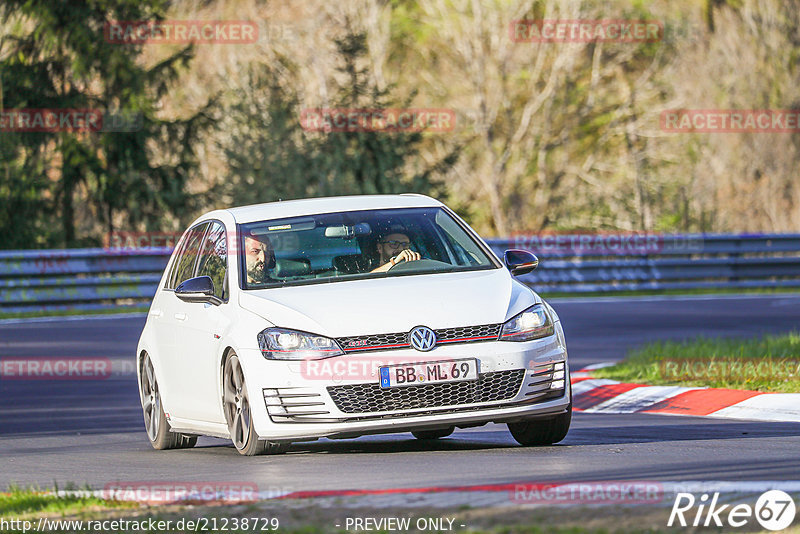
(598, 366)
(768, 407)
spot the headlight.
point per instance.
(533, 323)
(283, 344)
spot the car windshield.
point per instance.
(332, 247)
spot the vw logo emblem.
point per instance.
(422, 338)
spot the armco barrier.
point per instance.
(83, 279)
(693, 261)
(86, 279)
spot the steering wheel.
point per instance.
(422, 265)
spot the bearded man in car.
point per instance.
(260, 258)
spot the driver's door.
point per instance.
(199, 332)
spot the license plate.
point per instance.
(416, 374)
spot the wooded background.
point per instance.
(549, 136)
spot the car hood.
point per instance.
(392, 304)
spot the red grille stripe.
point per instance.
(373, 347)
(462, 339)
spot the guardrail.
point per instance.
(90, 279)
(683, 262)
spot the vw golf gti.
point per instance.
(341, 317)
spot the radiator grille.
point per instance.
(366, 398)
(399, 340)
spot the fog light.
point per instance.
(559, 366)
(558, 374)
(557, 384)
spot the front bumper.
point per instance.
(340, 397)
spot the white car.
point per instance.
(340, 317)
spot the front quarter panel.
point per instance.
(242, 338)
(522, 298)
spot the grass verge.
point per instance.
(310, 519)
(19, 502)
(305, 517)
(770, 363)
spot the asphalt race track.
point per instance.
(91, 431)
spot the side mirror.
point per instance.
(520, 261)
(199, 289)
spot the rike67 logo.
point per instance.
(774, 510)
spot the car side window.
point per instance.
(187, 257)
(213, 259)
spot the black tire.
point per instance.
(236, 406)
(433, 434)
(155, 421)
(538, 432)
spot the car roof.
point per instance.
(312, 206)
